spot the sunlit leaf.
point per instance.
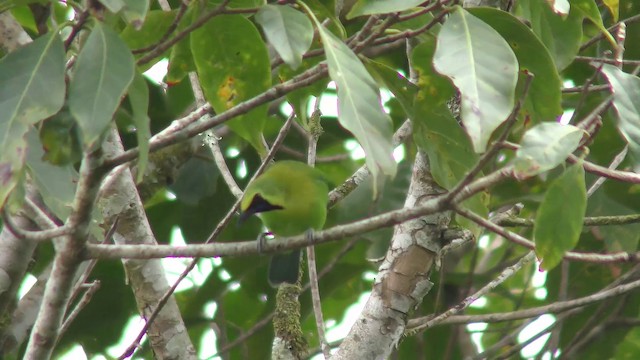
(233, 65)
(626, 100)
(32, 89)
(288, 30)
(614, 8)
(370, 7)
(562, 36)
(359, 108)
(103, 72)
(485, 70)
(544, 147)
(437, 132)
(560, 216)
(589, 10)
(544, 96)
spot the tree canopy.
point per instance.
(482, 157)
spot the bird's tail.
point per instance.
(284, 268)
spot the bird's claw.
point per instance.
(310, 236)
(262, 238)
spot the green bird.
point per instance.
(290, 198)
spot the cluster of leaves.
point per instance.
(61, 95)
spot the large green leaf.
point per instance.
(485, 70)
(544, 147)
(626, 100)
(288, 30)
(560, 35)
(156, 24)
(139, 100)
(56, 184)
(560, 216)
(180, 58)
(103, 72)
(370, 7)
(589, 9)
(544, 97)
(437, 132)
(32, 89)
(233, 65)
(359, 108)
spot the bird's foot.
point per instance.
(310, 236)
(261, 241)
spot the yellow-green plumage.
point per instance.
(290, 198)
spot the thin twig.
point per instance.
(266, 320)
(76, 28)
(174, 25)
(91, 289)
(586, 89)
(216, 232)
(504, 275)
(614, 289)
(314, 134)
(588, 221)
(495, 147)
(39, 235)
(610, 29)
(617, 160)
(160, 48)
(213, 142)
(522, 241)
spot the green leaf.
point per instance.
(560, 216)
(113, 5)
(614, 8)
(616, 238)
(196, 179)
(180, 58)
(60, 138)
(450, 153)
(156, 24)
(359, 107)
(33, 89)
(56, 184)
(370, 7)
(589, 9)
(103, 72)
(544, 147)
(562, 36)
(233, 65)
(288, 30)
(135, 12)
(401, 87)
(437, 132)
(321, 11)
(485, 70)
(139, 100)
(543, 101)
(238, 4)
(626, 100)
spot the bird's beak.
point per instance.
(258, 205)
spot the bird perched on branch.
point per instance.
(290, 198)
